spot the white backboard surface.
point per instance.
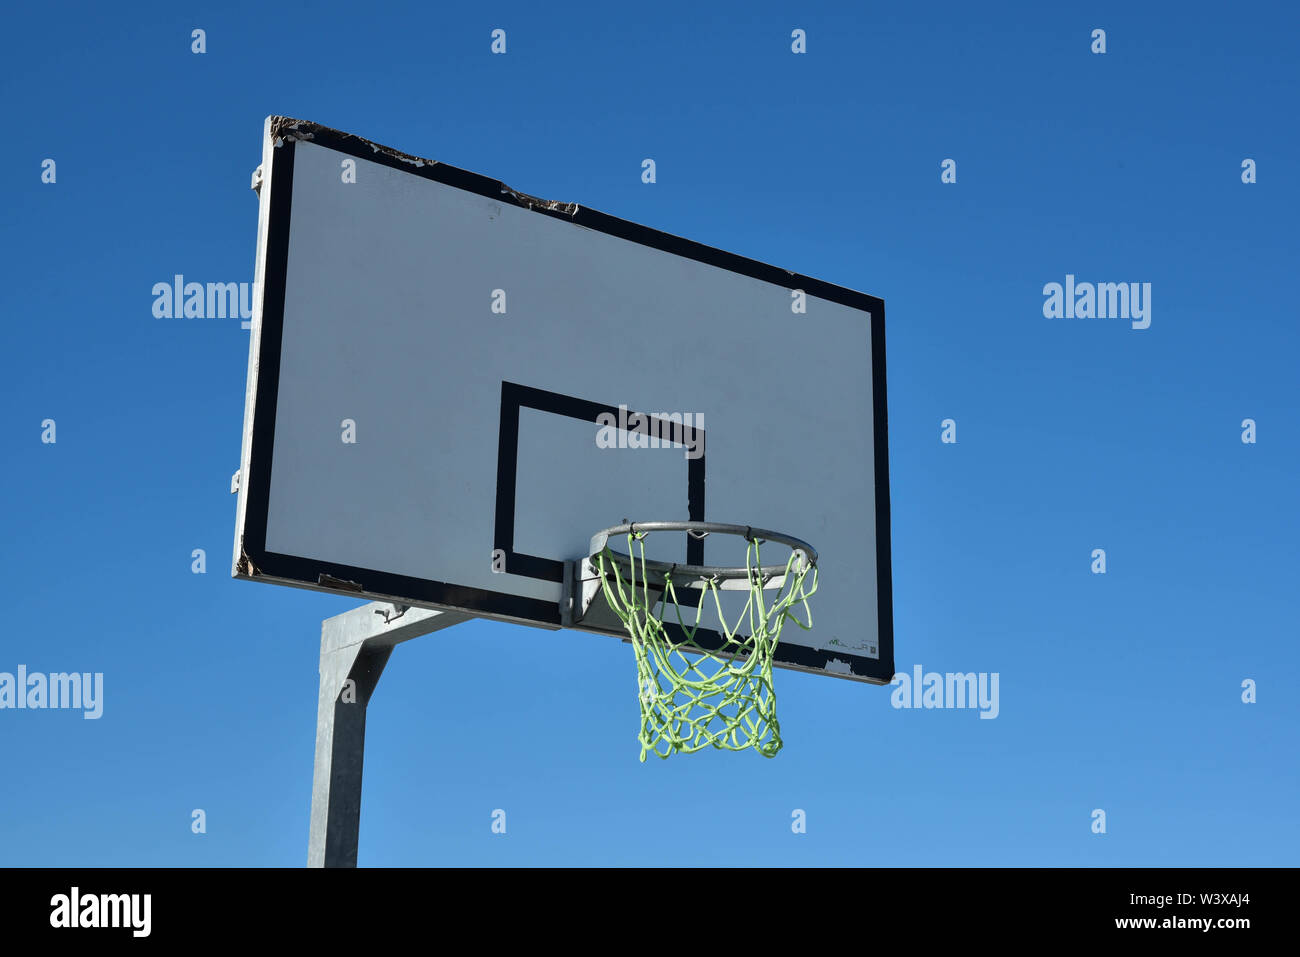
(474, 432)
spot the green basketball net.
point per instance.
(717, 690)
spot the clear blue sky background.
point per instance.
(1120, 692)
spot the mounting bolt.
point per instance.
(391, 616)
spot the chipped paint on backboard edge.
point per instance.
(835, 666)
(245, 566)
(567, 209)
(287, 128)
(329, 581)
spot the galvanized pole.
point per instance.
(354, 648)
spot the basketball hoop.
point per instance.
(721, 696)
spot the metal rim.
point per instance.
(600, 541)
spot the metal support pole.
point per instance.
(354, 648)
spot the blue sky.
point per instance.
(1120, 691)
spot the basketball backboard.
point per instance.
(452, 386)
